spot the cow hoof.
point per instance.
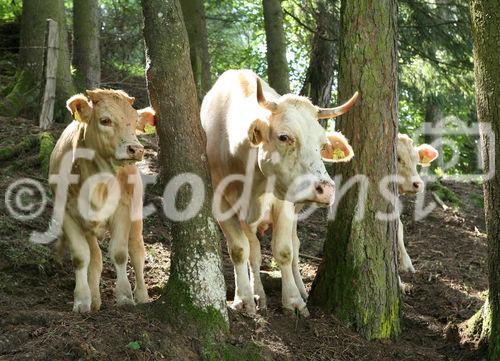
(407, 268)
(406, 265)
(247, 306)
(96, 304)
(297, 308)
(141, 296)
(125, 301)
(81, 306)
(261, 303)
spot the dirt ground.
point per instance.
(448, 249)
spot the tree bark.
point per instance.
(196, 288)
(486, 33)
(86, 53)
(277, 65)
(319, 77)
(357, 278)
(194, 18)
(25, 96)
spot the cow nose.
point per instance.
(417, 185)
(324, 191)
(135, 151)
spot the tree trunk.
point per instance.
(26, 94)
(486, 32)
(319, 77)
(195, 289)
(433, 120)
(357, 278)
(86, 53)
(277, 65)
(194, 18)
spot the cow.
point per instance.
(104, 124)
(409, 156)
(278, 146)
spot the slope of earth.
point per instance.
(448, 248)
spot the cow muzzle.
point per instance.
(130, 152)
(324, 192)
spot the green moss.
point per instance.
(176, 306)
(446, 194)
(46, 146)
(25, 145)
(477, 200)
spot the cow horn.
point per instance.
(324, 113)
(271, 106)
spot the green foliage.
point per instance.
(134, 345)
(10, 10)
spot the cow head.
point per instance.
(110, 122)
(293, 145)
(408, 158)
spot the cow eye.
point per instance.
(283, 137)
(105, 122)
(399, 159)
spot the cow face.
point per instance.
(110, 124)
(293, 145)
(408, 158)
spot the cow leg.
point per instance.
(255, 263)
(283, 216)
(94, 272)
(295, 263)
(239, 248)
(80, 254)
(137, 256)
(120, 231)
(405, 263)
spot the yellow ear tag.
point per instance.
(425, 159)
(338, 154)
(77, 116)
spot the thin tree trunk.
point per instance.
(277, 65)
(319, 77)
(86, 53)
(486, 34)
(357, 278)
(194, 18)
(196, 288)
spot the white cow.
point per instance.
(409, 156)
(277, 144)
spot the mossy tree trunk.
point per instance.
(486, 36)
(357, 279)
(277, 65)
(86, 53)
(319, 77)
(25, 97)
(194, 18)
(196, 286)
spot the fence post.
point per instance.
(51, 57)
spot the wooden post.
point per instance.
(49, 94)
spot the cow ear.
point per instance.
(337, 149)
(426, 154)
(146, 116)
(258, 132)
(80, 108)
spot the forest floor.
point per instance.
(36, 322)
